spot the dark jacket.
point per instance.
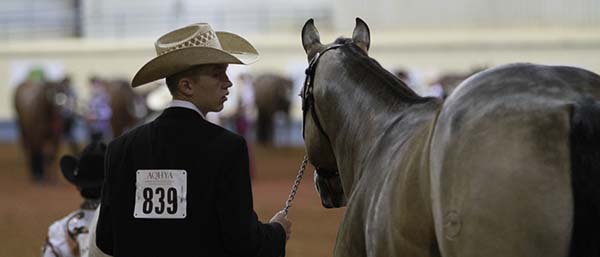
(220, 219)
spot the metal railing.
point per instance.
(36, 19)
(151, 21)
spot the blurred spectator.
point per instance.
(246, 110)
(245, 114)
(408, 79)
(99, 110)
(68, 100)
(36, 75)
(402, 75)
(435, 90)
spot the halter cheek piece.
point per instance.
(308, 100)
(308, 103)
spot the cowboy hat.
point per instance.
(88, 171)
(193, 45)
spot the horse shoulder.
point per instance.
(394, 217)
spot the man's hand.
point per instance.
(281, 218)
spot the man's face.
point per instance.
(211, 87)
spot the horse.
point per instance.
(40, 109)
(127, 108)
(272, 95)
(507, 165)
(114, 108)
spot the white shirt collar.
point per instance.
(185, 104)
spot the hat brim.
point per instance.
(68, 166)
(236, 50)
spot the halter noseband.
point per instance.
(308, 103)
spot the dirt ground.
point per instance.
(26, 210)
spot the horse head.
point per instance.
(318, 145)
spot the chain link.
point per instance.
(288, 202)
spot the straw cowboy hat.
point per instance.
(192, 45)
(88, 171)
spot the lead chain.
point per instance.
(288, 202)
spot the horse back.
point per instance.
(500, 161)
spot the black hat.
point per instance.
(88, 171)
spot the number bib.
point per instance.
(160, 194)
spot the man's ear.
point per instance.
(185, 86)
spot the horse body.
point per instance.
(500, 162)
(40, 123)
(486, 173)
(272, 94)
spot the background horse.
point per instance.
(506, 166)
(128, 108)
(39, 108)
(272, 95)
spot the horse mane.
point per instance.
(367, 63)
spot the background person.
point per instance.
(69, 236)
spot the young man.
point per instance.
(69, 236)
(180, 186)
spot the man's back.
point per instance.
(210, 213)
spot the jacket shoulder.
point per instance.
(129, 135)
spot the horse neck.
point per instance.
(361, 111)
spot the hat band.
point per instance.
(206, 39)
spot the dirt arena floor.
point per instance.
(26, 210)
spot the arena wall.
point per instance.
(429, 51)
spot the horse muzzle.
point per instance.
(329, 187)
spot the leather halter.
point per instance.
(308, 103)
(308, 100)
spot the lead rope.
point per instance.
(288, 202)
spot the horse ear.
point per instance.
(310, 35)
(361, 35)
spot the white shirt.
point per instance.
(57, 244)
(185, 104)
(93, 250)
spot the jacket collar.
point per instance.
(181, 113)
(185, 104)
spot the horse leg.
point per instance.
(52, 150)
(270, 128)
(36, 165)
(262, 133)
